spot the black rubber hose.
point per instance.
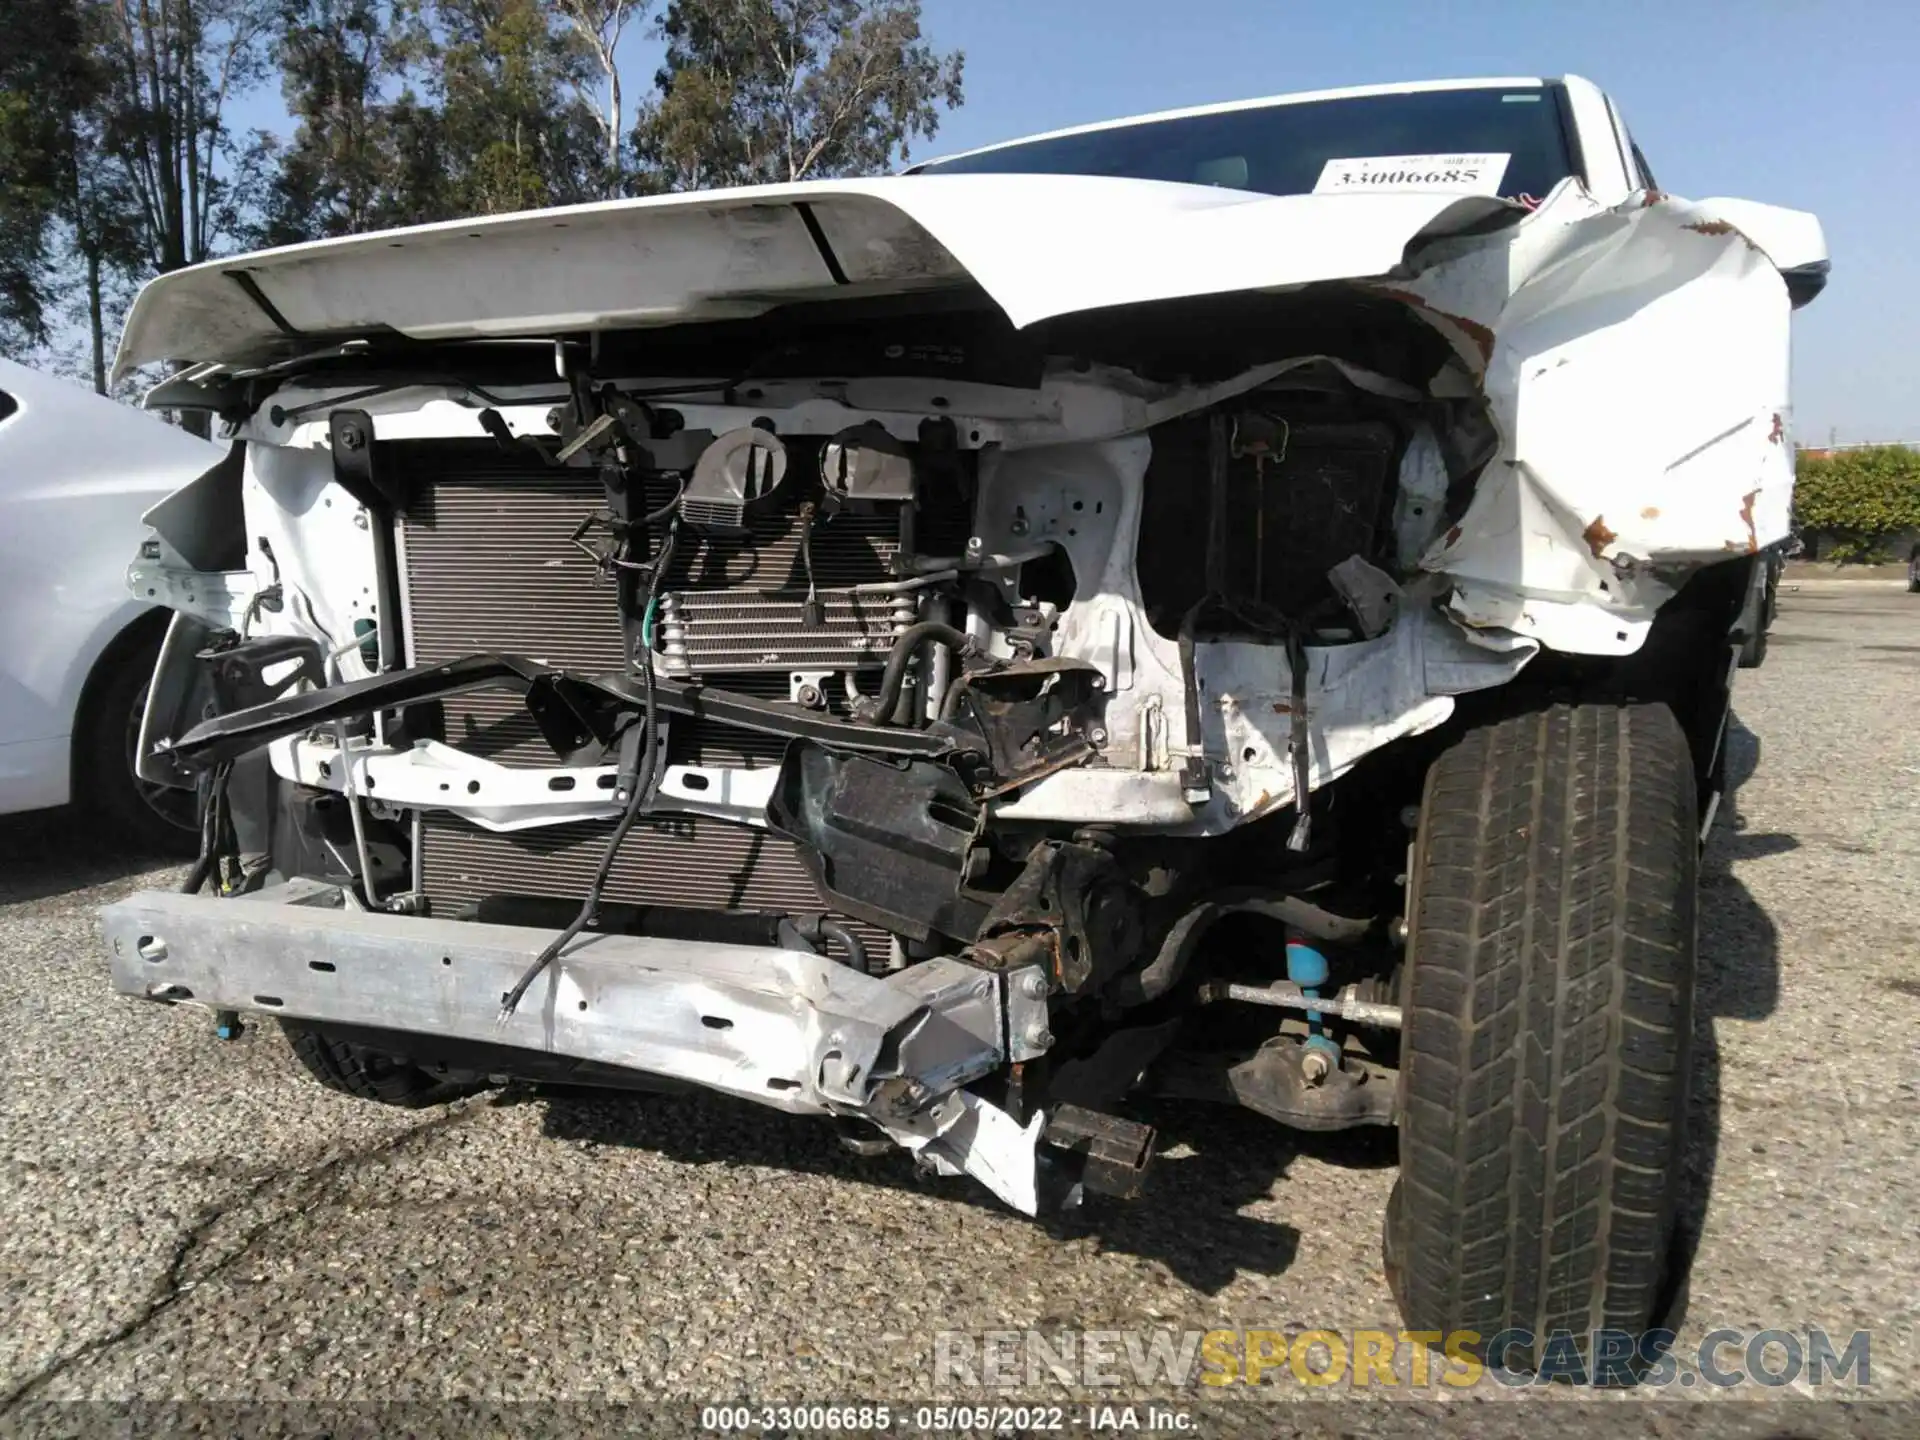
(654, 517)
(904, 649)
(213, 827)
(647, 771)
(950, 702)
(849, 942)
(590, 905)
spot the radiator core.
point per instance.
(488, 567)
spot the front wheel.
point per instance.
(1549, 1019)
(367, 1073)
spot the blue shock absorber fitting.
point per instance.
(1307, 968)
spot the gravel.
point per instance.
(190, 1219)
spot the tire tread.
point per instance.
(1549, 1020)
(367, 1074)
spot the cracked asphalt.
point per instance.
(185, 1219)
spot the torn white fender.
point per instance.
(1635, 361)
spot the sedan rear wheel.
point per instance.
(161, 818)
(175, 806)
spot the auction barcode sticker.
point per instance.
(1452, 174)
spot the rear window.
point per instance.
(1285, 149)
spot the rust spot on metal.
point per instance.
(1453, 536)
(1598, 536)
(1778, 432)
(1481, 336)
(1719, 227)
(1653, 197)
(1652, 512)
(1477, 334)
(1746, 518)
(1282, 707)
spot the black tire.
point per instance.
(369, 1074)
(1549, 1021)
(151, 818)
(1757, 615)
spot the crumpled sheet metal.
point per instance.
(1360, 697)
(1635, 364)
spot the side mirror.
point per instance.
(1792, 239)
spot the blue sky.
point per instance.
(1811, 105)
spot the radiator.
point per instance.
(682, 860)
(488, 567)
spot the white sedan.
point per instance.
(77, 472)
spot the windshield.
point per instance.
(1295, 149)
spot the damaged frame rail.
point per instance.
(785, 1028)
(575, 714)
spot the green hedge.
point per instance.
(1858, 498)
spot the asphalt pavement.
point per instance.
(184, 1218)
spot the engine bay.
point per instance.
(895, 669)
(1096, 662)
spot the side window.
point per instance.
(7, 405)
(1640, 164)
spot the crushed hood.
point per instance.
(1631, 361)
(1039, 246)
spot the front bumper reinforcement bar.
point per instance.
(785, 1028)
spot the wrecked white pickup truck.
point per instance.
(1236, 605)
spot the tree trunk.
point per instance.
(97, 322)
(613, 127)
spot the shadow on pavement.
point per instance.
(1738, 979)
(52, 852)
(1189, 1220)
